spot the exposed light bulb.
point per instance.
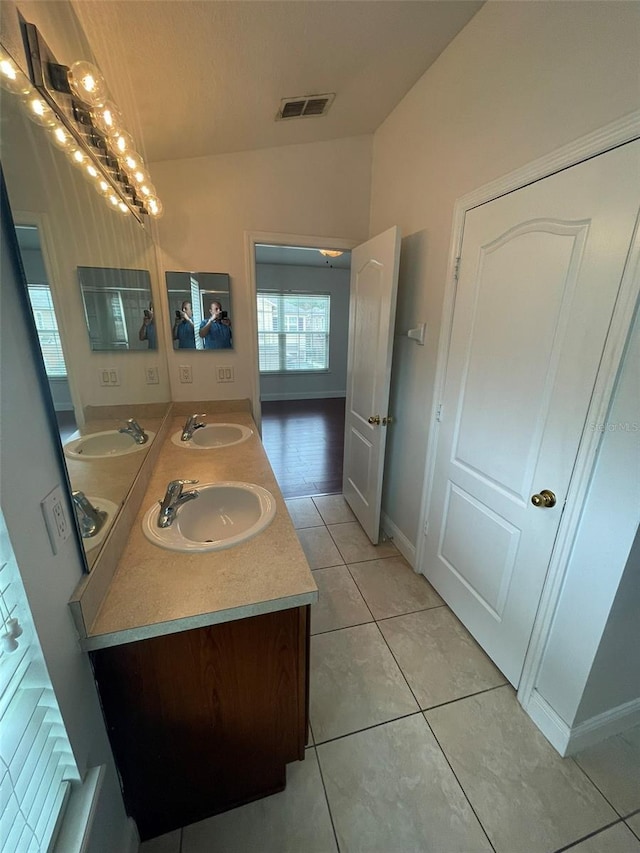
(39, 111)
(155, 207)
(103, 187)
(11, 77)
(60, 137)
(77, 157)
(330, 253)
(147, 189)
(108, 119)
(123, 207)
(123, 143)
(114, 200)
(88, 84)
(133, 161)
(92, 172)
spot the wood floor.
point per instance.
(304, 440)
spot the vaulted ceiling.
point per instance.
(207, 76)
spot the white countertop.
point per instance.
(156, 592)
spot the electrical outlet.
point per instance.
(152, 375)
(55, 517)
(224, 373)
(185, 373)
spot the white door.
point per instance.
(372, 310)
(539, 273)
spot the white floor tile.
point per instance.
(516, 782)
(616, 839)
(439, 658)
(391, 790)
(340, 604)
(295, 820)
(614, 767)
(391, 587)
(355, 683)
(303, 513)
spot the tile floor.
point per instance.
(419, 744)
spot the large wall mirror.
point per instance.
(200, 310)
(68, 237)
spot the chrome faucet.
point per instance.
(134, 429)
(90, 517)
(173, 500)
(190, 426)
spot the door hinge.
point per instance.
(439, 412)
(456, 271)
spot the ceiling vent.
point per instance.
(304, 106)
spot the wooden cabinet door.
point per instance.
(205, 720)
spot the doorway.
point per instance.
(302, 309)
(47, 326)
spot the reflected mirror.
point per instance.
(63, 224)
(200, 310)
(118, 308)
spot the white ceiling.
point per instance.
(300, 257)
(207, 76)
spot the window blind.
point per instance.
(36, 761)
(47, 328)
(293, 331)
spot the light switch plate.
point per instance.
(224, 373)
(55, 517)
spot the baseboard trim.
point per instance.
(552, 726)
(406, 548)
(569, 740)
(604, 725)
(301, 395)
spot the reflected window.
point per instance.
(47, 328)
(293, 332)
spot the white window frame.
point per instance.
(285, 334)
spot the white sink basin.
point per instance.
(90, 542)
(103, 445)
(214, 435)
(223, 515)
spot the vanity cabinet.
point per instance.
(205, 720)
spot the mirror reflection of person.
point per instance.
(183, 327)
(148, 328)
(216, 331)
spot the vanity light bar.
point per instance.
(72, 103)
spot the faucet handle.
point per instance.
(183, 482)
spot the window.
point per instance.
(37, 766)
(293, 331)
(47, 328)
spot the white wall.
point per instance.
(319, 189)
(30, 467)
(335, 282)
(520, 80)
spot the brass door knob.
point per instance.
(375, 419)
(545, 499)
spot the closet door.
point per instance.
(539, 274)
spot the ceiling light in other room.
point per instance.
(330, 253)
